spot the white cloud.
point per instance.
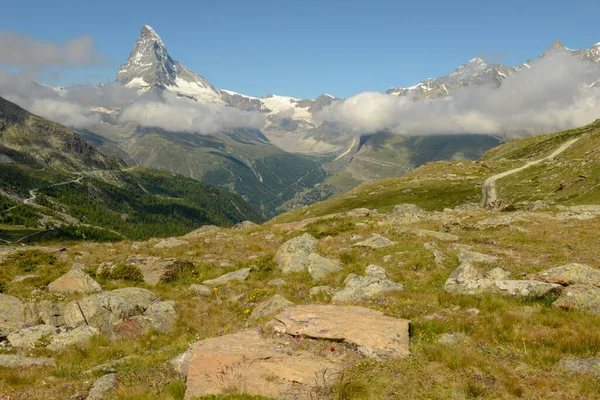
(23, 51)
(185, 115)
(553, 95)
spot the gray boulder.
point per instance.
(103, 387)
(376, 271)
(319, 291)
(19, 361)
(277, 282)
(580, 297)
(497, 274)
(181, 363)
(157, 269)
(270, 307)
(74, 281)
(467, 279)
(376, 241)
(236, 276)
(11, 314)
(69, 337)
(473, 256)
(571, 274)
(320, 267)
(406, 214)
(365, 287)
(293, 255)
(201, 290)
(29, 337)
(103, 309)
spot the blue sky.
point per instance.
(306, 48)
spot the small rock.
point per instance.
(319, 291)
(497, 274)
(11, 314)
(354, 238)
(22, 278)
(376, 271)
(387, 258)
(169, 243)
(157, 269)
(453, 339)
(242, 226)
(472, 311)
(570, 274)
(581, 366)
(201, 290)
(277, 282)
(365, 287)
(103, 387)
(320, 267)
(474, 256)
(29, 337)
(579, 297)
(293, 255)
(270, 307)
(70, 337)
(376, 241)
(236, 276)
(74, 281)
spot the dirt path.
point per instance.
(490, 195)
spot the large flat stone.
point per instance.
(375, 334)
(246, 362)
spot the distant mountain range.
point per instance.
(296, 158)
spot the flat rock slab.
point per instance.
(376, 241)
(236, 276)
(373, 333)
(248, 363)
(18, 361)
(584, 366)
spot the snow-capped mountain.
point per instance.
(477, 72)
(150, 66)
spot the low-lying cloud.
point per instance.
(23, 51)
(185, 115)
(554, 94)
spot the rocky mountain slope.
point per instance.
(446, 300)
(53, 184)
(477, 72)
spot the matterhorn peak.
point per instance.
(557, 44)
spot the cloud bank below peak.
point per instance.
(556, 93)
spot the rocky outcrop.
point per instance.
(300, 254)
(374, 334)
(365, 287)
(157, 269)
(580, 297)
(468, 280)
(571, 274)
(103, 310)
(376, 241)
(75, 281)
(293, 255)
(236, 276)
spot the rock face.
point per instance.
(270, 307)
(19, 361)
(103, 387)
(580, 297)
(467, 279)
(293, 255)
(376, 241)
(236, 276)
(374, 334)
(156, 269)
(571, 274)
(103, 309)
(365, 287)
(11, 314)
(75, 281)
